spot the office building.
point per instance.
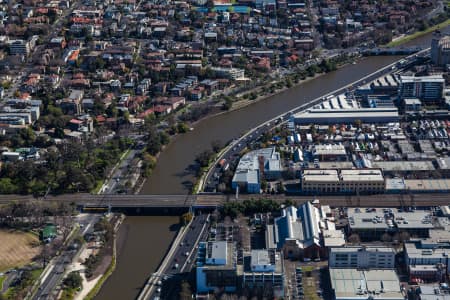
(362, 181)
(362, 257)
(320, 181)
(264, 269)
(216, 267)
(429, 89)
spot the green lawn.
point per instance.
(307, 268)
(417, 34)
(2, 278)
(309, 288)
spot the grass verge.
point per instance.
(2, 278)
(417, 34)
(309, 286)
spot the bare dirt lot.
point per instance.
(17, 248)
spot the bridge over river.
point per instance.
(211, 201)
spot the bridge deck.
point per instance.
(215, 200)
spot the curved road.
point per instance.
(253, 134)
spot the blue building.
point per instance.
(216, 267)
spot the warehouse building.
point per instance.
(372, 224)
(329, 152)
(347, 116)
(296, 232)
(348, 181)
(355, 284)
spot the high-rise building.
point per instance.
(440, 49)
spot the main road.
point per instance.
(253, 134)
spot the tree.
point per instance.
(354, 239)
(186, 218)
(203, 158)
(227, 104)
(73, 280)
(403, 236)
(186, 292)
(182, 127)
(6, 186)
(386, 238)
(216, 145)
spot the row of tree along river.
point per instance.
(143, 241)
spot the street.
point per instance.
(57, 267)
(181, 261)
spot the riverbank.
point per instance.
(407, 38)
(141, 243)
(91, 286)
(199, 183)
(242, 103)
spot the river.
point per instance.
(143, 241)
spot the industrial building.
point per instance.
(303, 232)
(429, 89)
(346, 116)
(440, 49)
(355, 284)
(362, 257)
(350, 181)
(255, 166)
(329, 152)
(296, 232)
(428, 259)
(372, 224)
